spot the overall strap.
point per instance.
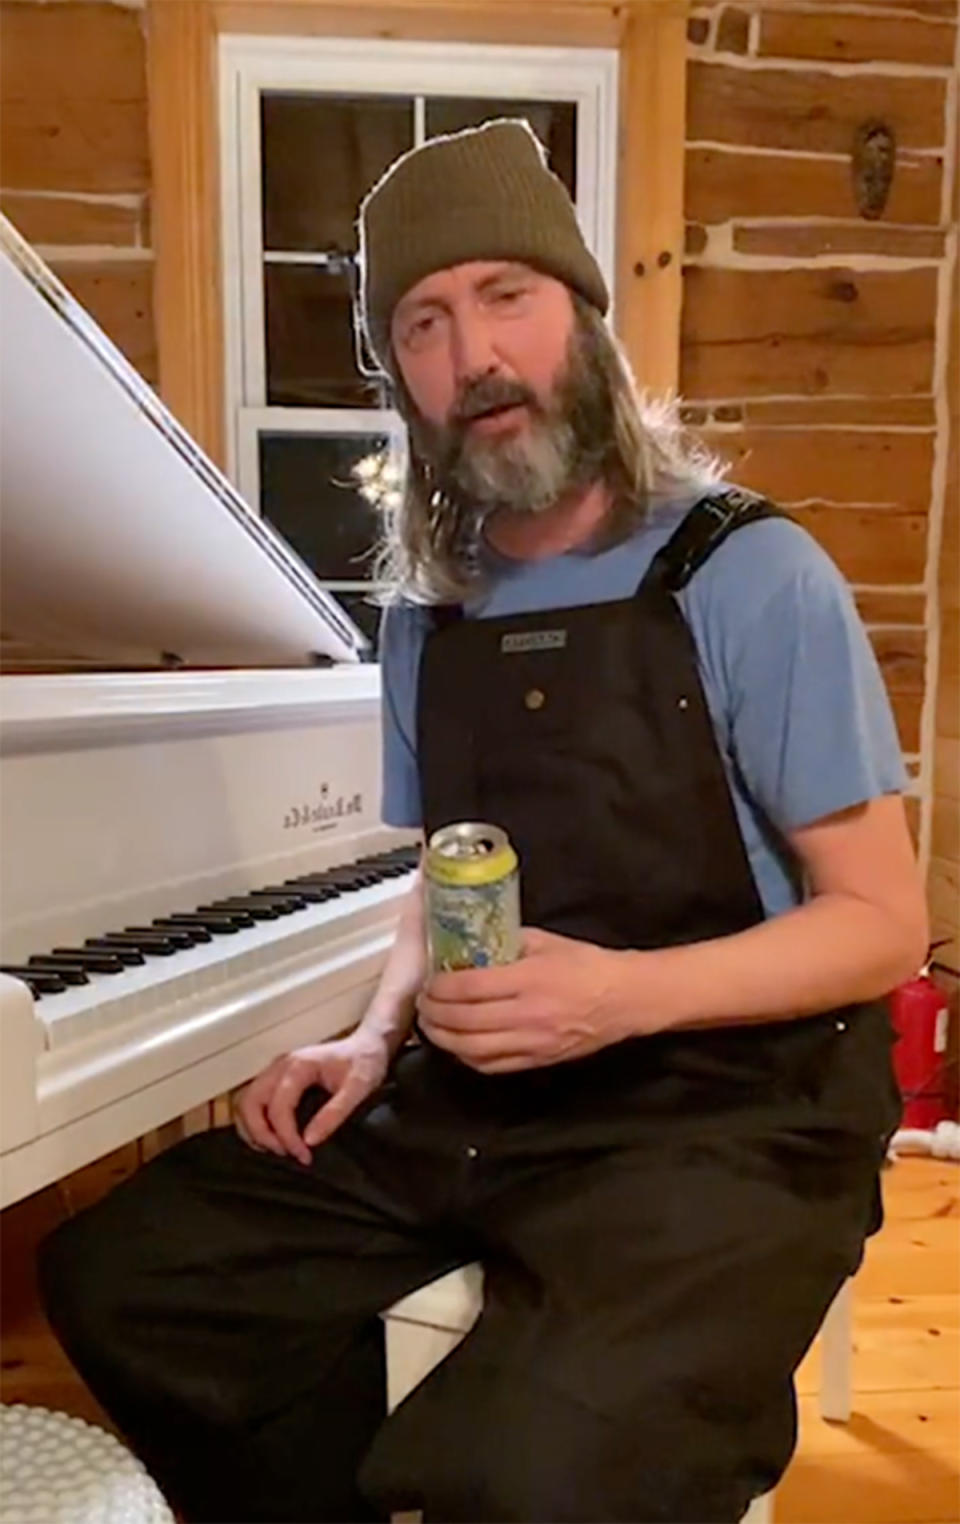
(703, 530)
(442, 615)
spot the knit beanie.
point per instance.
(485, 193)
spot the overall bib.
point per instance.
(663, 1224)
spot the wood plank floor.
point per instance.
(896, 1462)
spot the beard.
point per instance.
(563, 448)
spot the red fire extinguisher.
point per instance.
(919, 1013)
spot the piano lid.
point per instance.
(120, 540)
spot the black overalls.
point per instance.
(663, 1224)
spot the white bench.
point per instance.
(425, 1326)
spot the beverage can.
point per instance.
(472, 889)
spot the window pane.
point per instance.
(311, 358)
(308, 492)
(554, 122)
(321, 154)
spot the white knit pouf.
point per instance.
(55, 1469)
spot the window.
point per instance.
(307, 125)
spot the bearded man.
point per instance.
(661, 1129)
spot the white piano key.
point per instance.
(162, 983)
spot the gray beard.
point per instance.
(527, 473)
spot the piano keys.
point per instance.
(194, 878)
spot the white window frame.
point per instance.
(346, 66)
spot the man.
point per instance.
(661, 1129)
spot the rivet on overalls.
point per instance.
(535, 698)
(683, 703)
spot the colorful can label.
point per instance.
(472, 889)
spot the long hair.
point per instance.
(429, 542)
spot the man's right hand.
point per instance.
(349, 1068)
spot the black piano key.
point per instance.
(311, 896)
(92, 959)
(128, 955)
(285, 899)
(217, 922)
(343, 879)
(197, 932)
(385, 860)
(351, 878)
(156, 946)
(184, 936)
(72, 973)
(260, 912)
(40, 982)
(310, 883)
(179, 937)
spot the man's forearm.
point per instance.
(392, 1009)
(831, 952)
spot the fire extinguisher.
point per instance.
(920, 1015)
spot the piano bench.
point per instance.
(425, 1326)
(62, 1470)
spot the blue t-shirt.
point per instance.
(801, 715)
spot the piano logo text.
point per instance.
(323, 814)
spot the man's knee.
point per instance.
(94, 1266)
(82, 1275)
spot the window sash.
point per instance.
(251, 65)
(252, 422)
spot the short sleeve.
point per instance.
(401, 644)
(811, 727)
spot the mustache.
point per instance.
(487, 394)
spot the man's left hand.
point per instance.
(561, 1000)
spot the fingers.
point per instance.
(491, 1016)
(250, 1118)
(478, 984)
(281, 1114)
(482, 1049)
(327, 1119)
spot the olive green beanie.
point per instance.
(485, 193)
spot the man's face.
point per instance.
(484, 351)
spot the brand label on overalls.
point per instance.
(533, 640)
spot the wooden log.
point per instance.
(847, 38)
(733, 30)
(870, 545)
(721, 185)
(746, 332)
(945, 835)
(119, 295)
(73, 88)
(891, 606)
(913, 813)
(879, 412)
(814, 112)
(70, 220)
(943, 890)
(796, 241)
(902, 658)
(946, 767)
(838, 466)
(907, 711)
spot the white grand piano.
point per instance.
(192, 870)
